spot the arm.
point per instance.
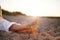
(19, 28)
(12, 26)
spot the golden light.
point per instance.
(33, 7)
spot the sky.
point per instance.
(33, 7)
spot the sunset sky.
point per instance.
(33, 7)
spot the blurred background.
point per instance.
(46, 12)
(33, 7)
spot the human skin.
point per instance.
(29, 28)
(19, 28)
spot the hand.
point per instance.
(31, 28)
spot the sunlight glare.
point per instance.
(33, 7)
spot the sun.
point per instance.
(32, 7)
